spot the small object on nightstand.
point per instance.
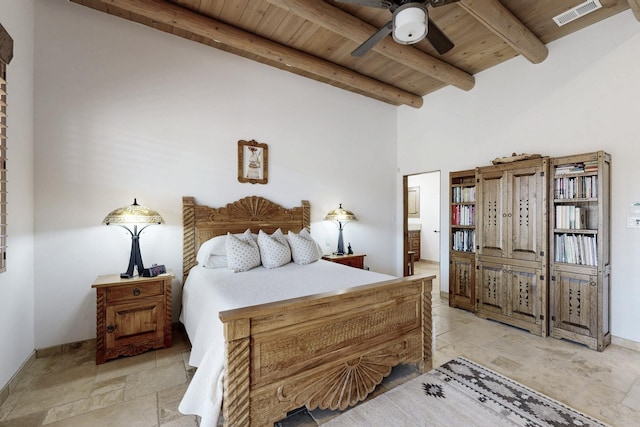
(349, 250)
(132, 315)
(355, 260)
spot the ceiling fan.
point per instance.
(409, 25)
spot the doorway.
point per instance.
(421, 221)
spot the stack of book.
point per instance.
(569, 168)
(591, 166)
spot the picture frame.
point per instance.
(253, 161)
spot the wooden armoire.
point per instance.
(511, 249)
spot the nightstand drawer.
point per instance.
(356, 261)
(134, 291)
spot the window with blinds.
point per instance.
(6, 54)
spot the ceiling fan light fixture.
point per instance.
(410, 23)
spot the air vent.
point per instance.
(577, 12)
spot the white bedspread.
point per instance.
(209, 291)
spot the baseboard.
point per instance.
(623, 342)
(16, 378)
(444, 295)
(65, 348)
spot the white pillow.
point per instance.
(213, 252)
(304, 249)
(213, 246)
(274, 249)
(242, 252)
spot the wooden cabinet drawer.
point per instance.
(134, 291)
(356, 261)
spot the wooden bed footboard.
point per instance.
(322, 351)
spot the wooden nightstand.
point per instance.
(355, 260)
(132, 315)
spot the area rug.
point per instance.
(462, 393)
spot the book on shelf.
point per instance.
(463, 215)
(571, 217)
(463, 194)
(576, 249)
(464, 240)
(576, 187)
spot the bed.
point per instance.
(328, 349)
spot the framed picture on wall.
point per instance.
(252, 162)
(413, 202)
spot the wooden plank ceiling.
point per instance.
(315, 38)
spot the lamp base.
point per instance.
(340, 250)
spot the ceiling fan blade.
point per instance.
(438, 39)
(373, 40)
(382, 4)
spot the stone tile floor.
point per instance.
(69, 390)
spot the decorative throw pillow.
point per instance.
(304, 249)
(213, 246)
(242, 252)
(274, 249)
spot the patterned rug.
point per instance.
(462, 393)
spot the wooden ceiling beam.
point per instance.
(635, 8)
(164, 12)
(503, 23)
(340, 22)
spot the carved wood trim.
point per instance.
(168, 332)
(200, 223)
(236, 399)
(101, 301)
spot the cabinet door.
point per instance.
(526, 294)
(491, 287)
(492, 234)
(134, 323)
(575, 299)
(462, 292)
(525, 214)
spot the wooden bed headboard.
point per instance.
(201, 223)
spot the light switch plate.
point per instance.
(633, 222)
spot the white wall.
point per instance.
(429, 220)
(16, 284)
(125, 111)
(582, 98)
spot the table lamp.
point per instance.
(340, 216)
(126, 217)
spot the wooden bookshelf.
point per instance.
(580, 245)
(462, 239)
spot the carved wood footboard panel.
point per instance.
(325, 351)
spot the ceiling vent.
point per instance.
(577, 12)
